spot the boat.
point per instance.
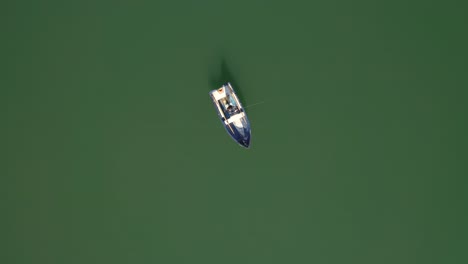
(232, 114)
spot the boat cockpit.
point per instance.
(229, 107)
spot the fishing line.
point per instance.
(255, 104)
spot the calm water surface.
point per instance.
(114, 153)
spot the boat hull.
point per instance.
(232, 114)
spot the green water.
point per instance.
(114, 152)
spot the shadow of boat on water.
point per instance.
(223, 76)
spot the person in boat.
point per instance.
(231, 109)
